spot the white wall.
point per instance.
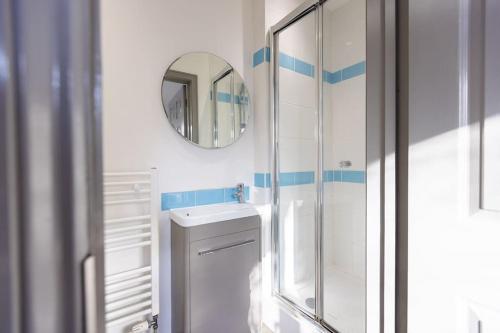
(139, 41)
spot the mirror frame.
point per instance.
(226, 69)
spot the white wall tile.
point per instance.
(297, 155)
(349, 114)
(299, 40)
(262, 118)
(344, 117)
(297, 89)
(298, 225)
(297, 122)
(345, 33)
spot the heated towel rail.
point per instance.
(131, 208)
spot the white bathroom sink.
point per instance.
(193, 216)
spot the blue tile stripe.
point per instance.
(345, 73)
(226, 98)
(172, 200)
(263, 180)
(261, 55)
(305, 68)
(241, 100)
(354, 70)
(332, 78)
(295, 64)
(286, 61)
(223, 97)
(353, 176)
(332, 176)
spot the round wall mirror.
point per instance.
(205, 100)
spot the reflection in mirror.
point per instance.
(205, 100)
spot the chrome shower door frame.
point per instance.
(309, 7)
(381, 157)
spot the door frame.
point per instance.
(51, 161)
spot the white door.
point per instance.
(454, 166)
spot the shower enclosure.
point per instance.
(318, 99)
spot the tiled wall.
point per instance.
(172, 200)
(344, 137)
(344, 119)
(345, 199)
(297, 128)
(263, 180)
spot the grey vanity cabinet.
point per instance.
(215, 268)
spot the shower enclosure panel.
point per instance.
(297, 165)
(319, 167)
(344, 160)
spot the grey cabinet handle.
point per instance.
(225, 247)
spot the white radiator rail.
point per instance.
(120, 285)
(126, 174)
(127, 247)
(129, 291)
(129, 319)
(140, 182)
(127, 301)
(125, 202)
(127, 192)
(119, 276)
(132, 294)
(128, 310)
(128, 219)
(113, 231)
(124, 238)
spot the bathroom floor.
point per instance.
(343, 301)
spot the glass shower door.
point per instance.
(320, 162)
(296, 111)
(344, 163)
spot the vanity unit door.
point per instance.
(224, 272)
